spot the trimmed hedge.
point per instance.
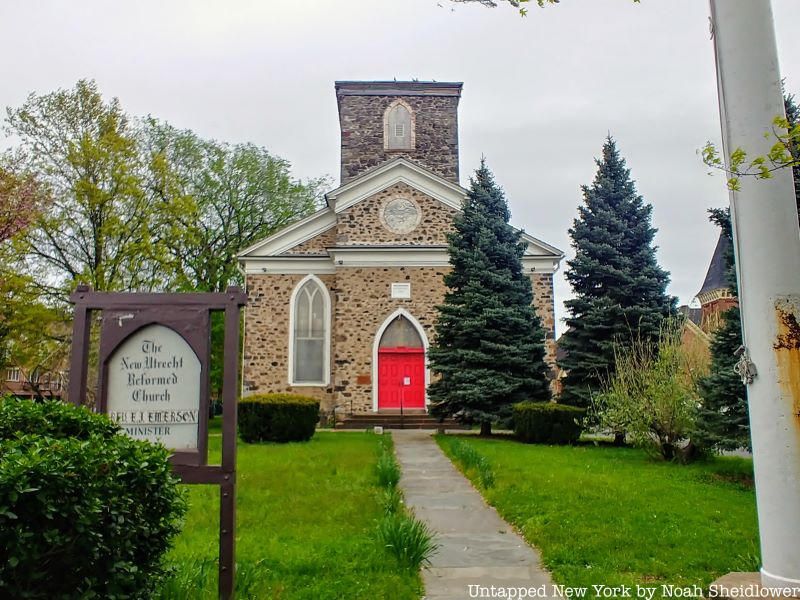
(548, 422)
(278, 418)
(85, 512)
(54, 419)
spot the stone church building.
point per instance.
(342, 303)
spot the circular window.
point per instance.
(401, 215)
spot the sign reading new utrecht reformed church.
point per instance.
(154, 388)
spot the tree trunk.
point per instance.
(690, 453)
(667, 451)
(486, 429)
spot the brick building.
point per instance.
(342, 303)
(38, 383)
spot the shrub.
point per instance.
(653, 394)
(548, 422)
(54, 419)
(278, 418)
(84, 515)
(408, 540)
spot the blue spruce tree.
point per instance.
(489, 344)
(620, 291)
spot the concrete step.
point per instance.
(395, 421)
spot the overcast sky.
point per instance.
(540, 93)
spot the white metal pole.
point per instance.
(767, 246)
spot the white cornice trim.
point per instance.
(716, 294)
(389, 257)
(289, 265)
(372, 256)
(540, 264)
(293, 235)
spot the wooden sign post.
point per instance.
(154, 382)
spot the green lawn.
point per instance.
(307, 516)
(604, 515)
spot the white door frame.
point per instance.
(376, 343)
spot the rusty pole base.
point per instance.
(746, 585)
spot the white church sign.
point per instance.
(154, 388)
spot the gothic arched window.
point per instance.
(310, 334)
(398, 127)
(401, 333)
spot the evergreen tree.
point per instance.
(722, 419)
(620, 291)
(489, 344)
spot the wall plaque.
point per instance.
(401, 291)
(154, 388)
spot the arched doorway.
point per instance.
(401, 373)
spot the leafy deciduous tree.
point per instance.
(653, 393)
(21, 201)
(137, 205)
(214, 199)
(97, 228)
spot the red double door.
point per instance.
(401, 378)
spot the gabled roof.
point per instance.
(294, 234)
(369, 183)
(398, 170)
(537, 247)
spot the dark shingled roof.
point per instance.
(716, 276)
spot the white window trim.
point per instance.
(376, 344)
(326, 358)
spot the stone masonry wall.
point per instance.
(361, 223)
(361, 299)
(543, 300)
(363, 302)
(436, 134)
(266, 347)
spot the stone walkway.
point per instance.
(477, 548)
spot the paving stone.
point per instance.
(477, 548)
